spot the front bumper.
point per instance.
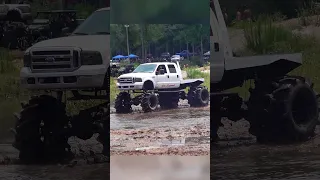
(131, 86)
(82, 78)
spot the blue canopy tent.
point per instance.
(131, 56)
(118, 57)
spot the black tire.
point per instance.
(123, 103)
(169, 100)
(39, 130)
(149, 102)
(285, 110)
(198, 97)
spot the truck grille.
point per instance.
(126, 80)
(54, 59)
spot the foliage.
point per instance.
(159, 38)
(160, 12)
(263, 37)
(287, 8)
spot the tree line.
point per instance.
(158, 38)
(289, 8)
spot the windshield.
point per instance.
(145, 68)
(175, 56)
(96, 23)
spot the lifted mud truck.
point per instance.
(280, 108)
(159, 83)
(79, 62)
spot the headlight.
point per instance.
(27, 59)
(137, 80)
(91, 58)
(118, 80)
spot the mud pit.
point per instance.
(182, 131)
(238, 156)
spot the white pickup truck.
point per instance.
(162, 83)
(79, 62)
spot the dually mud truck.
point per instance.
(78, 65)
(159, 83)
(281, 108)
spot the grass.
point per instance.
(10, 92)
(264, 37)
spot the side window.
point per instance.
(172, 69)
(161, 67)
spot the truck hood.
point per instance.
(140, 75)
(85, 42)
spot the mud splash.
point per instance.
(175, 131)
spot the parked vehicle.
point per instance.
(176, 58)
(165, 56)
(185, 54)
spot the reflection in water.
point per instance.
(53, 172)
(159, 167)
(250, 164)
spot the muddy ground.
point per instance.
(182, 131)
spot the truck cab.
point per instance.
(161, 75)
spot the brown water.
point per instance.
(160, 167)
(53, 172)
(238, 156)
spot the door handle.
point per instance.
(168, 76)
(177, 76)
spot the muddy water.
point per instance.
(238, 156)
(160, 167)
(181, 117)
(53, 172)
(184, 131)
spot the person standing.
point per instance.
(239, 15)
(247, 14)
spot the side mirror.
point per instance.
(161, 71)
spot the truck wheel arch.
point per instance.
(14, 14)
(148, 85)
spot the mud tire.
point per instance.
(169, 100)
(198, 97)
(123, 103)
(43, 117)
(285, 110)
(149, 102)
